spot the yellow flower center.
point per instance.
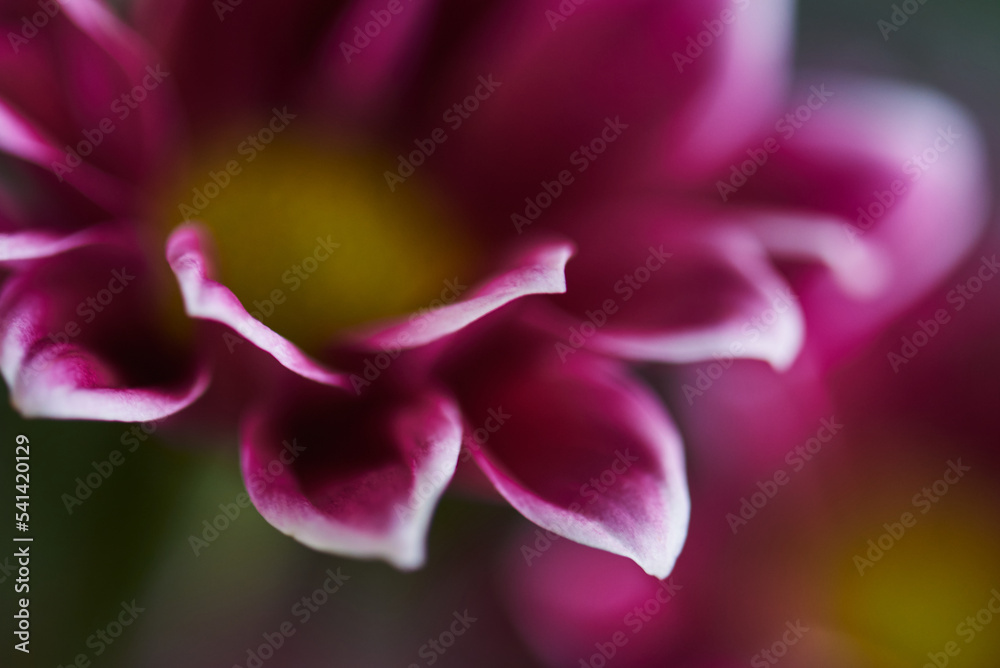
(312, 240)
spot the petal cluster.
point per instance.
(682, 205)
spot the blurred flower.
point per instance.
(391, 193)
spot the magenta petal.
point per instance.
(69, 79)
(227, 57)
(562, 81)
(745, 95)
(538, 270)
(357, 477)
(363, 78)
(858, 269)
(209, 300)
(645, 288)
(869, 137)
(66, 383)
(578, 448)
(76, 344)
(20, 138)
(31, 244)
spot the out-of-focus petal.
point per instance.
(91, 84)
(207, 299)
(750, 395)
(563, 598)
(548, 84)
(79, 338)
(231, 57)
(539, 269)
(858, 269)
(744, 95)
(366, 71)
(352, 476)
(20, 138)
(663, 283)
(578, 447)
(30, 245)
(903, 171)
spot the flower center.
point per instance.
(311, 239)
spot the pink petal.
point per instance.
(847, 157)
(30, 244)
(539, 269)
(660, 282)
(20, 138)
(368, 475)
(578, 447)
(767, 413)
(229, 58)
(209, 300)
(364, 78)
(70, 77)
(745, 94)
(64, 356)
(563, 598)
(559, 82)
(858, 269)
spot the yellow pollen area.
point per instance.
(312, 241)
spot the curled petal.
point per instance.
(859, 269)
(80, 340)
(358, 477)
(539, 270)
(662, 284)
(207, 299)
(577, 447)
(902, 171)
(31, 244)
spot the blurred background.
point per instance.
(881, 547)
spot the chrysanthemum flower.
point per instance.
(346, 226)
